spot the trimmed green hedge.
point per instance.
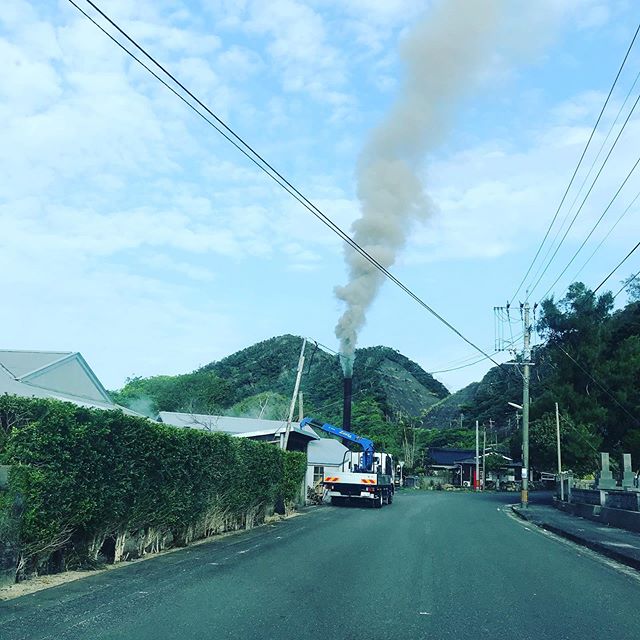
(102, 485)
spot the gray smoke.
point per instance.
(442, 57)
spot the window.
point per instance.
(318, 474)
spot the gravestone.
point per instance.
(628, 475)
(606, 480)
(4, 475)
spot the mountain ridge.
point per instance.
(265, 372)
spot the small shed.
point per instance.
(323, 456)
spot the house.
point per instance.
(60, 375)
(324, 457)
(272, 431)
(458, 466)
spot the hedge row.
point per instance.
(100, 485)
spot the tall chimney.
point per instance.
(346, 407)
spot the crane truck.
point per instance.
(369, 476)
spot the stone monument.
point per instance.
(606, 480)
(628, 475)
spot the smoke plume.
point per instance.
(442, 58)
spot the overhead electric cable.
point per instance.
(595, 126)
(615, 224)
(463, 366)
(600, 384)
(264, 166)
(626, 284)
(617, 267)
(585, 179)
(577, 213)
(595, 226)
(463, 363)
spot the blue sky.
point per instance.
(135, 234)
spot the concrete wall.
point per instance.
(614, 507)
(621, 518)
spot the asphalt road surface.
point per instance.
(431, 565)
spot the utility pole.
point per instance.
(296, 388)
(477, 482)
(484, 455)
(559, 457)
(524, 499)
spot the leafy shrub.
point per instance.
(91, 479)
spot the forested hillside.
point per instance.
(258, 380)
(588, 362)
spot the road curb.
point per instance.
(594, 545)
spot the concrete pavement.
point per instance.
(432, 565)
(618, 544)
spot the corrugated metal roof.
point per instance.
(20, 363)
(10, 384)
(229, 424)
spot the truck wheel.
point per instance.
(377, 501)
(335, 501)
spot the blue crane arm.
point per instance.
(365, 443)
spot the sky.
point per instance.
(132, 232)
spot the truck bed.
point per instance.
(350, 477)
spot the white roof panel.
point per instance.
(19, 363)
(326, 451)
(231, 425)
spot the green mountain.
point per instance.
(259, 380)
(588, 362)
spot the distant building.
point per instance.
(60, 375)
(272, 431)
(459, 466)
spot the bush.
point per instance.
(102, 485)
(295, 467)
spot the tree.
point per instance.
(632, 286)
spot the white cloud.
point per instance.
(127, 218)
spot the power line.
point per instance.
(566, 233)
(265, 167)
(324, 346)
(600, 384)
(615, 224)
(463, 366)
(587, 176)
(617, 267)
(626, 284)
(476, 360)
(595, 126)
(595, 226)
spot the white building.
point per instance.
(325, 456)
(59, 375)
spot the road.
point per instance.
(432, 565)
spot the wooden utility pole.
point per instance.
(296, 388)
(477, 482)
(524, 498)
(484, 455)
(559, 457)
